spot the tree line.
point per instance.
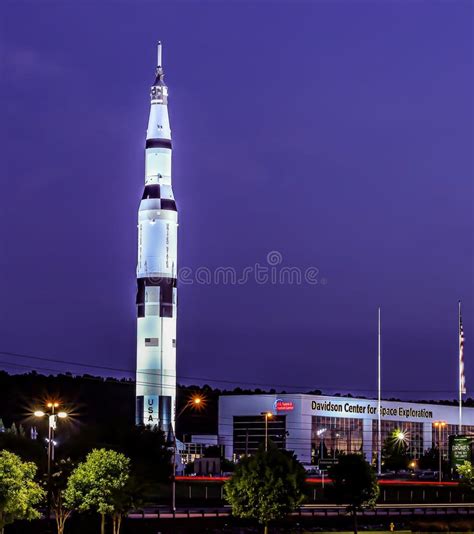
(265, 487)
(102, 483)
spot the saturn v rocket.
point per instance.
(157, 270)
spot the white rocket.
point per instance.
(157, 270)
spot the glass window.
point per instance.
(446, 431)
(412, 430)
(249, 432)
(334, 435)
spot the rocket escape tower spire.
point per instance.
(157, 270)
(159, 91)
(159, 63)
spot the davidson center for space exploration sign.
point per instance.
(358, 408)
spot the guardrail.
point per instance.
(312, 510)
(314, 480)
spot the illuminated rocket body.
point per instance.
(157, 270)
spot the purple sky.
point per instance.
(337, 133)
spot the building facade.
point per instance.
(318, 426)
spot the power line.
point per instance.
(293, 426)
(208, 379)
(357, 434)
(128, 382)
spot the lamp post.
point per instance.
(320, 433)
(267, 415)
(194, 402)
(335, 446)
(440, 425)
(52, 416)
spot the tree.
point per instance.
(227, 466)
(96, 484)
(137, 443)
(395, 454)
(354, 482)
(466, 473)
(130, 497)
(29, 450)
(59, 479)
(19, 493)
(266, 486)
(429, 459)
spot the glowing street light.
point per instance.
(267, 415)
(196, 402)
(52, 420)
(400, 438)
(320, 433)
(439, 425)
(336, 437)
(401, 435)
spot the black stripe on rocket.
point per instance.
(158, 143)
(151, 191)
(167, 204)
(154, 191)
(166, 286)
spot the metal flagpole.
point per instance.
(460, 362)
(379, 403)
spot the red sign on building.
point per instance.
(284, 406)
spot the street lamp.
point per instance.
(320, 433)
(267, 415)
(336, 436)
(400, 436)
(52, 416)
(401, 439)
(196, 402)
(439, 425)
